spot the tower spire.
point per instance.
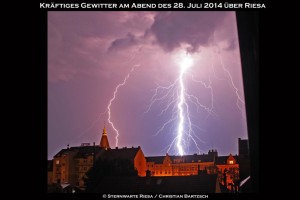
(104, 140)
(104, 130)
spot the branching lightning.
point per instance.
(186, 63)
(112, 100)
(239, 99)
(177, 100)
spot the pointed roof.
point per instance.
(104, 140)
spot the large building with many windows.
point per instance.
(195, 164)
(70, 165)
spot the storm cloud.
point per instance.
(172, 29)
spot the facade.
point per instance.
(70, 165)
(227, 170)
(190, 165)
(181, 165)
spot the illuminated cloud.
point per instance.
(90, 53)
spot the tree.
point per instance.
(102, 168)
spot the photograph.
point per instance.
(155, 102)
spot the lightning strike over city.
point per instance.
(169, 82)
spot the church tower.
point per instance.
(104, 140)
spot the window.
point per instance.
(231, 162)
(57, 162)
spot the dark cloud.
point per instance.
(123, 43)
(172, 29)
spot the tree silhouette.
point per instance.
(102, 168)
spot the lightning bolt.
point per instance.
(178, 101)
(176, 98)
(239, 99)
(113, 99)
(186, 63)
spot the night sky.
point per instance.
(90, 53)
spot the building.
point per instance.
(104, 140)
(70, 165)
(135, 155)
(180, 165)
(195, 164)
(227, 170)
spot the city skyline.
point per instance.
(91, 53)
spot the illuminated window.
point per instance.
(57, 162)
(231, 162)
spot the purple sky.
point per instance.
(90, 53)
